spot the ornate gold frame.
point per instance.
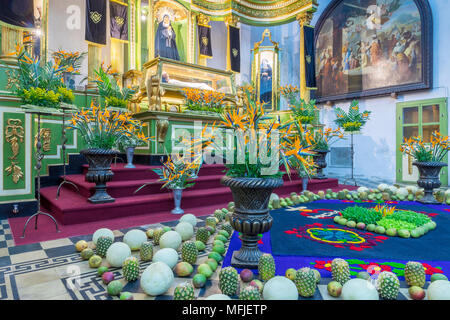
(257, 52)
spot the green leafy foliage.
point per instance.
(389, 223)
(353, 120)
(109, 89)
(361, 214)
(40, 97)
(416, 218)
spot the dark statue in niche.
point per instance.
(366, 47)
(265, 82)
(165, 45)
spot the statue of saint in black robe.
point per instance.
(265, 82)
(165, 45)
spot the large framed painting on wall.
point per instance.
(373, 47)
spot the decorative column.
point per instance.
(11, 37)
(94, 62)
(202, 20)
(151, 31)
(303, 18)
(191, 37)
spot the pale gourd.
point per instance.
(168, 255)
(439, 290)
(359, 289)
(134, 239)
(280, 288)
(103, 232)
(190, 218)
(185, 230)
(170, 239)
(117, 253)
(157, 278)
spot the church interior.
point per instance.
(224, 150)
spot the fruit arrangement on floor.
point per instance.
(380, 194)
(386, 220)
(178, 250)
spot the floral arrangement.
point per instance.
(38, 84)
(104, 129)
(69, 61)
(324, 138)
(434, 151)
(177, 172)
(352, 121)
(136, 137)
(109, 89)
(304, 165)
(253, 142)
(203, 100)
(301, 109)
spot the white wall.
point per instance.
(375, 153)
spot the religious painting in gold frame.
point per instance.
(266, 71)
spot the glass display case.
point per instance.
(165, 80)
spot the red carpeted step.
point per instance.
(124, 174)
(72, 207)
(122, 188)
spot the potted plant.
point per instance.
(71, 63)
(261, 145)
(108, 88)
(39, 85)
(102, 131)
(352, 122)
(177, 173)
(323, 138)
(428, 160)
(301, 109)
(135, 139)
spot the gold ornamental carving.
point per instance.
(46, 138)
(14, 135)
(305, 18)
(203, 19)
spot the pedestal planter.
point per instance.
(130, 153)
(177, 194)
(429, 179)
(251, 215)
(99, 172)
(320, 162)
(305, 183)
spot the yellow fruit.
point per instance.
(291, 273)
(81, 245)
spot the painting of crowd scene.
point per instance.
(369, 44)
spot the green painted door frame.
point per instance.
(400, 125)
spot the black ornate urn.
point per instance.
(251, 215)
(99, 172)
(320, 162)
(429, 179)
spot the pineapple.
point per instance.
(157, 233)
(202, 235)
(130, 268)
(228, 281)
(266, 267)
(103, 244)
(250, 293)
(189, 252)
(211, 221)
(388, 285)
(219, 215)
(340, 270)
(228, 228)
(415, 274)
(184, 291)
(305, 281)
(146, 251)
